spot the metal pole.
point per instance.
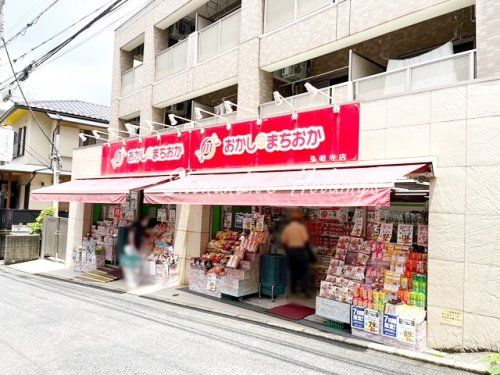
(55, 165)
(9, 189)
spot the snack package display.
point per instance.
(357, 229)
(343, 242)
(405, 234)
(355, 244)
(341, 254)
(422, 235)
(385, 234)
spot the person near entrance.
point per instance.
(295, 240)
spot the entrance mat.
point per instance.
(101, 275)
(292, 311)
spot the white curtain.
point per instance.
(435, 74)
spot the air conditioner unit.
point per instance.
(179, 109)
(294, 72)
(180, 30)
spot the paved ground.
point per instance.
(53, 327)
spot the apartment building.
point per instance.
(423, 73)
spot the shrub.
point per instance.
(36, 227)
(494, 360)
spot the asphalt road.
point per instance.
(54, 327)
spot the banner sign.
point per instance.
(168, 154)
(6, 143)
(390, 324)
(372, 321)
(358, 317)
(319, 136)
(407, 331)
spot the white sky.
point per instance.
(85, 72)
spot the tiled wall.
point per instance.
(488, 45)
(459, 127)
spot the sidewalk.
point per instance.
(181, 297)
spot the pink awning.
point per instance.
(341, 187)
(97, 190)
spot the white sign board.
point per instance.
(6, 143)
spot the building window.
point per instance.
(19, 142)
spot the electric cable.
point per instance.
(35, 64)
(30, 24)
(22, 92)
(15, 60)
(93, 35)
(33, 9)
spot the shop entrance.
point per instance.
(368, 268)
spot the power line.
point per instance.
(115, 5)
(32, 10)
(93, 35)
(31, 23)
(58, 33)
(23, 74)
(22, 92)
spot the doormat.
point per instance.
(292, 311)
(101, 275)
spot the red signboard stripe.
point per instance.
(315, 137)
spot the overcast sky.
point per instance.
(85, 72)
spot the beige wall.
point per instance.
(458, 127)
(488, 37)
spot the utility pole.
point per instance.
(56, 161)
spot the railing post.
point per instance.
(408, 79)
(350, 91)
(472, 65)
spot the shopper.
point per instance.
(295, 240)
(130, 260)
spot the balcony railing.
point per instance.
(220, 36)
(132, 80)
(279, 13)
(172, 60)
(304, 102)
(442, 71)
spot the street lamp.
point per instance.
(313, 91)
(84, 137)
(279, 100)
(111, 131)
(198, 114)
(132, 130)
(228, 105)
(173, 121)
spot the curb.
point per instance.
(307, 331)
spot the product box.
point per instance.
(333, 310)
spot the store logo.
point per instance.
(118, 158)
(207, 148)
(170, 152)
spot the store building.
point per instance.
(434, 105)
